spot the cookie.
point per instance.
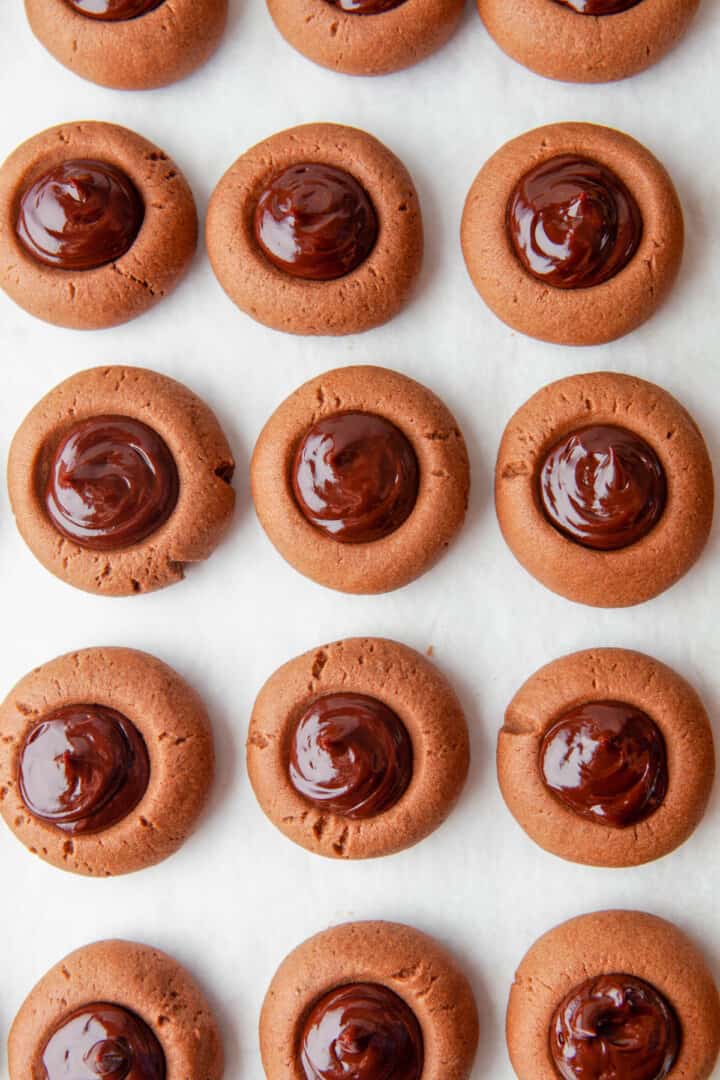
(606, 758)
(136, 753)
(116, 1008)
(302, 244)
(360, 479)
(587, 41)
(414, 1004)
(573, 233)
(358, 748)
(96, 225)
(129, 44)
(614, 993)
(604, 489)
(366, 37)
(118, 478)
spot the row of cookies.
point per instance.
(617, 994)
(142, 44)
(571, 233)
(120, 477)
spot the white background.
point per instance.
(239, 895)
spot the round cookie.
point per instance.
(563, 40)
(129, 44)
(386, 956)
(161, 998)
(442, 481)
(653, 560)
(373, 290)
(311, 719)
(635, 797)
(105, 283)
(580, 314)
(366, 37)
(621, 943)
(81, 828)
(132, 541)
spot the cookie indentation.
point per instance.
(102, 1040)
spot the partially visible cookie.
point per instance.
(606, 758)
(316, 230)
(129, 44)
(116, 1008)
(119, 477)
(614, 993)
(358, 748)
(415, 1005)
(106, 761)
(604, 488)
(96, 225)
(361, 479)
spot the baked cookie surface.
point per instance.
(371, 958)
(360, 295)
(574, 212)
(604, 489)
(566, 966)
(647, 754)
(382, 729)
(136, 748)
(159, 493)
(152, 1013)
(380, 504)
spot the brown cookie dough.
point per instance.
(678, 784)
(580, 315)
(655, 561)
(174, 727)
(202, 458)
(607, 943)
(358, 41)
(144, 981)
(155, 48)
(368, 295)
(443, 480)
(118, 290)
(559, 42)
(412, 965)
(420, 788)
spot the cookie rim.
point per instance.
(253, 283)
(597, 314)
(170, 808)
(206, 498)
(427, 971)
(120, 290)
(397, 559)
(80, 43)
(609, 939)
(363, 666)
(602, 674)
(565, 567)
(622, 49)
(349, 42)
(113, 964)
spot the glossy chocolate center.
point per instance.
(351, 755)
(111, 483)
(83, 768)
(599, 7)
(366, 7)
(355, 476)
(114, 10)
(361, 1032)
(80, 215)
(603, 487)
(606, 760)
(315, 221)
(614, 1027)
(573, 223)
(103, 1041)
